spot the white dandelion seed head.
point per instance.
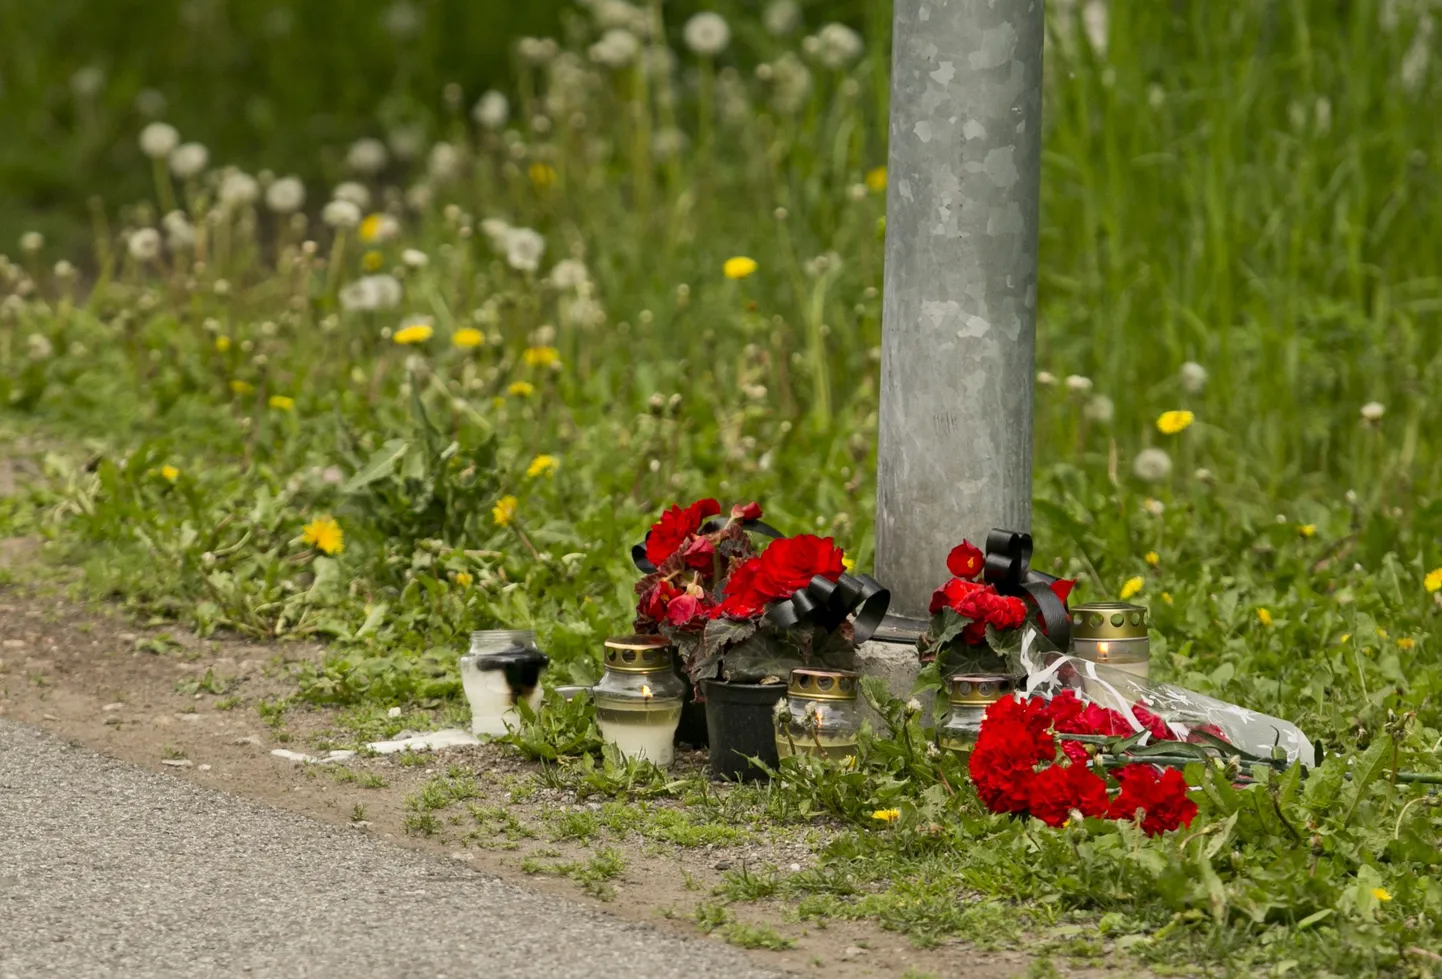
(238, 189)
(87, 82)
(1203, 475)
(1077, 384)
(524, 249)
(914, 705)
(144, 245)
(285, 195)
(620, 15)
(414, 258)
(158, 140)
(188, 160)
(781, 17)
(1373, 411)
(150, 102)
(370, 293)
(64, 270)
(444, 162)
(491, 111)
(1152, 465)
(407, 142)
(367, 156)
(1100, 409)
(570, 274)
(341, 213)
(39, 347)
(1193, 376)
(355, 193)
(420, 196)
(537, 51)
(584, 312)
(838, 46)
(707, 34)
(1154, 508)
(401, 20)
(617, 48)
(179, 232)
(496, 232)
(1046, 379)
(31, 242)
(790, 83)
(1094, 23)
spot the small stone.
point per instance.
(13, 643)
(205, 768)
(393, 712)
(249, 739)
(361, 824)
(724, 865)
(50, 717)
(852, 951)
(115, 706)
(177, 762)
(463, 856)
(127, 637)
(796, 868)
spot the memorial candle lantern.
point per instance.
(819, 716)
(1112, 634)
(639, 700)
(502, 668)
(968, 696)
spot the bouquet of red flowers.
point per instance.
(745, 614)
(1017, 767)
(975, 615)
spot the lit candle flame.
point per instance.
(1102, 650)
(646, 691)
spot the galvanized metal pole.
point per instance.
(959, 313)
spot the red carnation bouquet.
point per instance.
(1018, 767)
(709, 589)
(971, 621)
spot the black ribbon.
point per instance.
(1008, 569)
(823, 602)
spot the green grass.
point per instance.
(1248, 187)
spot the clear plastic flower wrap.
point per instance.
(1159, 715)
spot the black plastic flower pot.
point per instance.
(740, 726)
(692, 728)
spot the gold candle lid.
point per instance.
(809, 684)
(638, 654)
(978, 689)
(1108, 621)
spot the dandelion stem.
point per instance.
(337, 254)
(163, 191)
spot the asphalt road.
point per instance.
(111, 870)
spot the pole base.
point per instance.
(899, 629)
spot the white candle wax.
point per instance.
(490, 697)
(647, 733)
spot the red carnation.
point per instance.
(746, 511)
(790, 563)
(1012, 740)
(1153, 723)
(670, 532)
(686, 612)
(742, 600)
(1055, 791)
(965, 560)
(1161, 798)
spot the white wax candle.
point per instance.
(646, 733)
(492, 710)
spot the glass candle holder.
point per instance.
(639, 699)
(1112, 634)
(501, 669)
(967, 698)
(819, 716)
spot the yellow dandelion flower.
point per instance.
(542, 465)
(467, 337)
(1406, 643)
(541, 356)
(324, 534)
(372, 260)
(1433, 581)
(1131, 587)
(876, 180)
(1264, 617)
(169, 473)
(1153, 558)
(542, 175)
(739, 267)
(521, 389)
(1381, 894)
(281, 403)
(1307, 530)
(1166, 598)
(847, 563)
(464, 579)
(1172, 422)
(886, 815)
(222, 344)
(504, 511)
(241, 388)
(1381, 633)
(415, 333)
(378, 227)
(1346, 637)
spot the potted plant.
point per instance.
(976, 616)
(742, 617)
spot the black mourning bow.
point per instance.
(823, 602)
(1008, 569)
